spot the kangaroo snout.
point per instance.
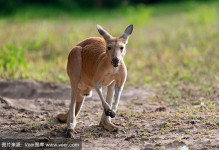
(115, 62)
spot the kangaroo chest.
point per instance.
(104, 79)
(108, 79)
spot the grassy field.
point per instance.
(173, 74)
(174, 45)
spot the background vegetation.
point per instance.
(7, 7)
(173, 43)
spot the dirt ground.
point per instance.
(28, 110)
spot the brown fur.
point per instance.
(90, 66)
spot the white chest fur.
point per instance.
(110, 76)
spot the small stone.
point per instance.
(130, 137)
(159, 109)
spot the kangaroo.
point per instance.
(92, 64)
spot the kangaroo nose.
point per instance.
(115, 62)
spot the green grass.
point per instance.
(13, 62)
(172, 45)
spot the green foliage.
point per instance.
(12, 62)
(172, 44)
(12, 6)
(144, 15)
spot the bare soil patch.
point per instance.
(28, 110)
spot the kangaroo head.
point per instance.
(115, 46)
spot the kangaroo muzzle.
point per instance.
(115, 62)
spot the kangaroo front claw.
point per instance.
(110, 113)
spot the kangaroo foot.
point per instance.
(109, 126)
(70, 133)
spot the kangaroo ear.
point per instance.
(127, 32)
(103, 33)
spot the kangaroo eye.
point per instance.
(121, 48)
(109, 48)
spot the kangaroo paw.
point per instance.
(110, 113)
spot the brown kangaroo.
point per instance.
(92, 64)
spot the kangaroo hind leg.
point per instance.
(74, 72)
